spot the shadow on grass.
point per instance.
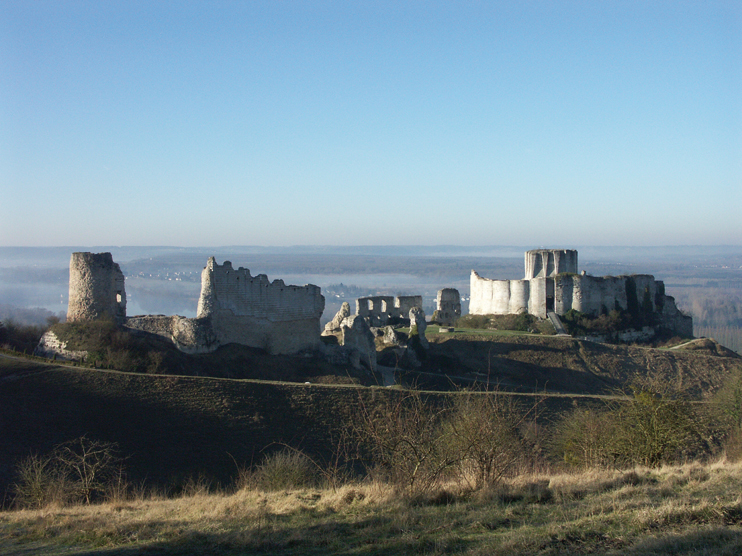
(708, 541)
(375, 535)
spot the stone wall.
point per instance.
(226, 289)
(51, 347)
(252, 311)
(594, 295)
(403, 304)
(498, 297)
(96, 288)
(379, 310)
(188, 335)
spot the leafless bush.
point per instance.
(41, 481)
(584, 438)
(403, 441)
(484, 430)
(80, 470)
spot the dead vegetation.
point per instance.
(687, 509)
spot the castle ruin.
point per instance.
(252, 311)
(382, 310)
(447, 307)
(234, 307)
(552, 285)
(96, 288)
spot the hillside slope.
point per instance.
(174, 427)
(533, 363)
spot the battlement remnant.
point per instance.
(96, 288)
(252, 311)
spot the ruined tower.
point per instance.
(96, 288)
(447, 306)
(550, 262)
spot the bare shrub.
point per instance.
(41, 481)
(655, 428)
(401, 440)
(284, 470)
(80, 470)
(485, 437)
(20, 337)
(656, 425)
(584, 438)
(91, 465)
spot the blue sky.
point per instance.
(358, 123)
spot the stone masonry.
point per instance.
(96, 288)
(380, 310)
(252, 311)
(447, 306)
(551, 284)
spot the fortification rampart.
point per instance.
(498, 297)
(188, 335)
(253, 311)
(552, 284)
(96, 288)
(226, 289)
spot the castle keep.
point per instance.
(552, 285)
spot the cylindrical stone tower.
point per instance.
(550, 262)
(96, 288)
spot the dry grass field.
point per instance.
(689, 509)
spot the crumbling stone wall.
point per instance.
(252, 311)
(51, 347)
(355, 341)
(403, 304)
(379, 310)
(96, 288)
(188, 335)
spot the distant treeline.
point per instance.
(713, 307)
(716, 312)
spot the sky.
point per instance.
(279, 123)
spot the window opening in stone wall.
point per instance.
(118, 297)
